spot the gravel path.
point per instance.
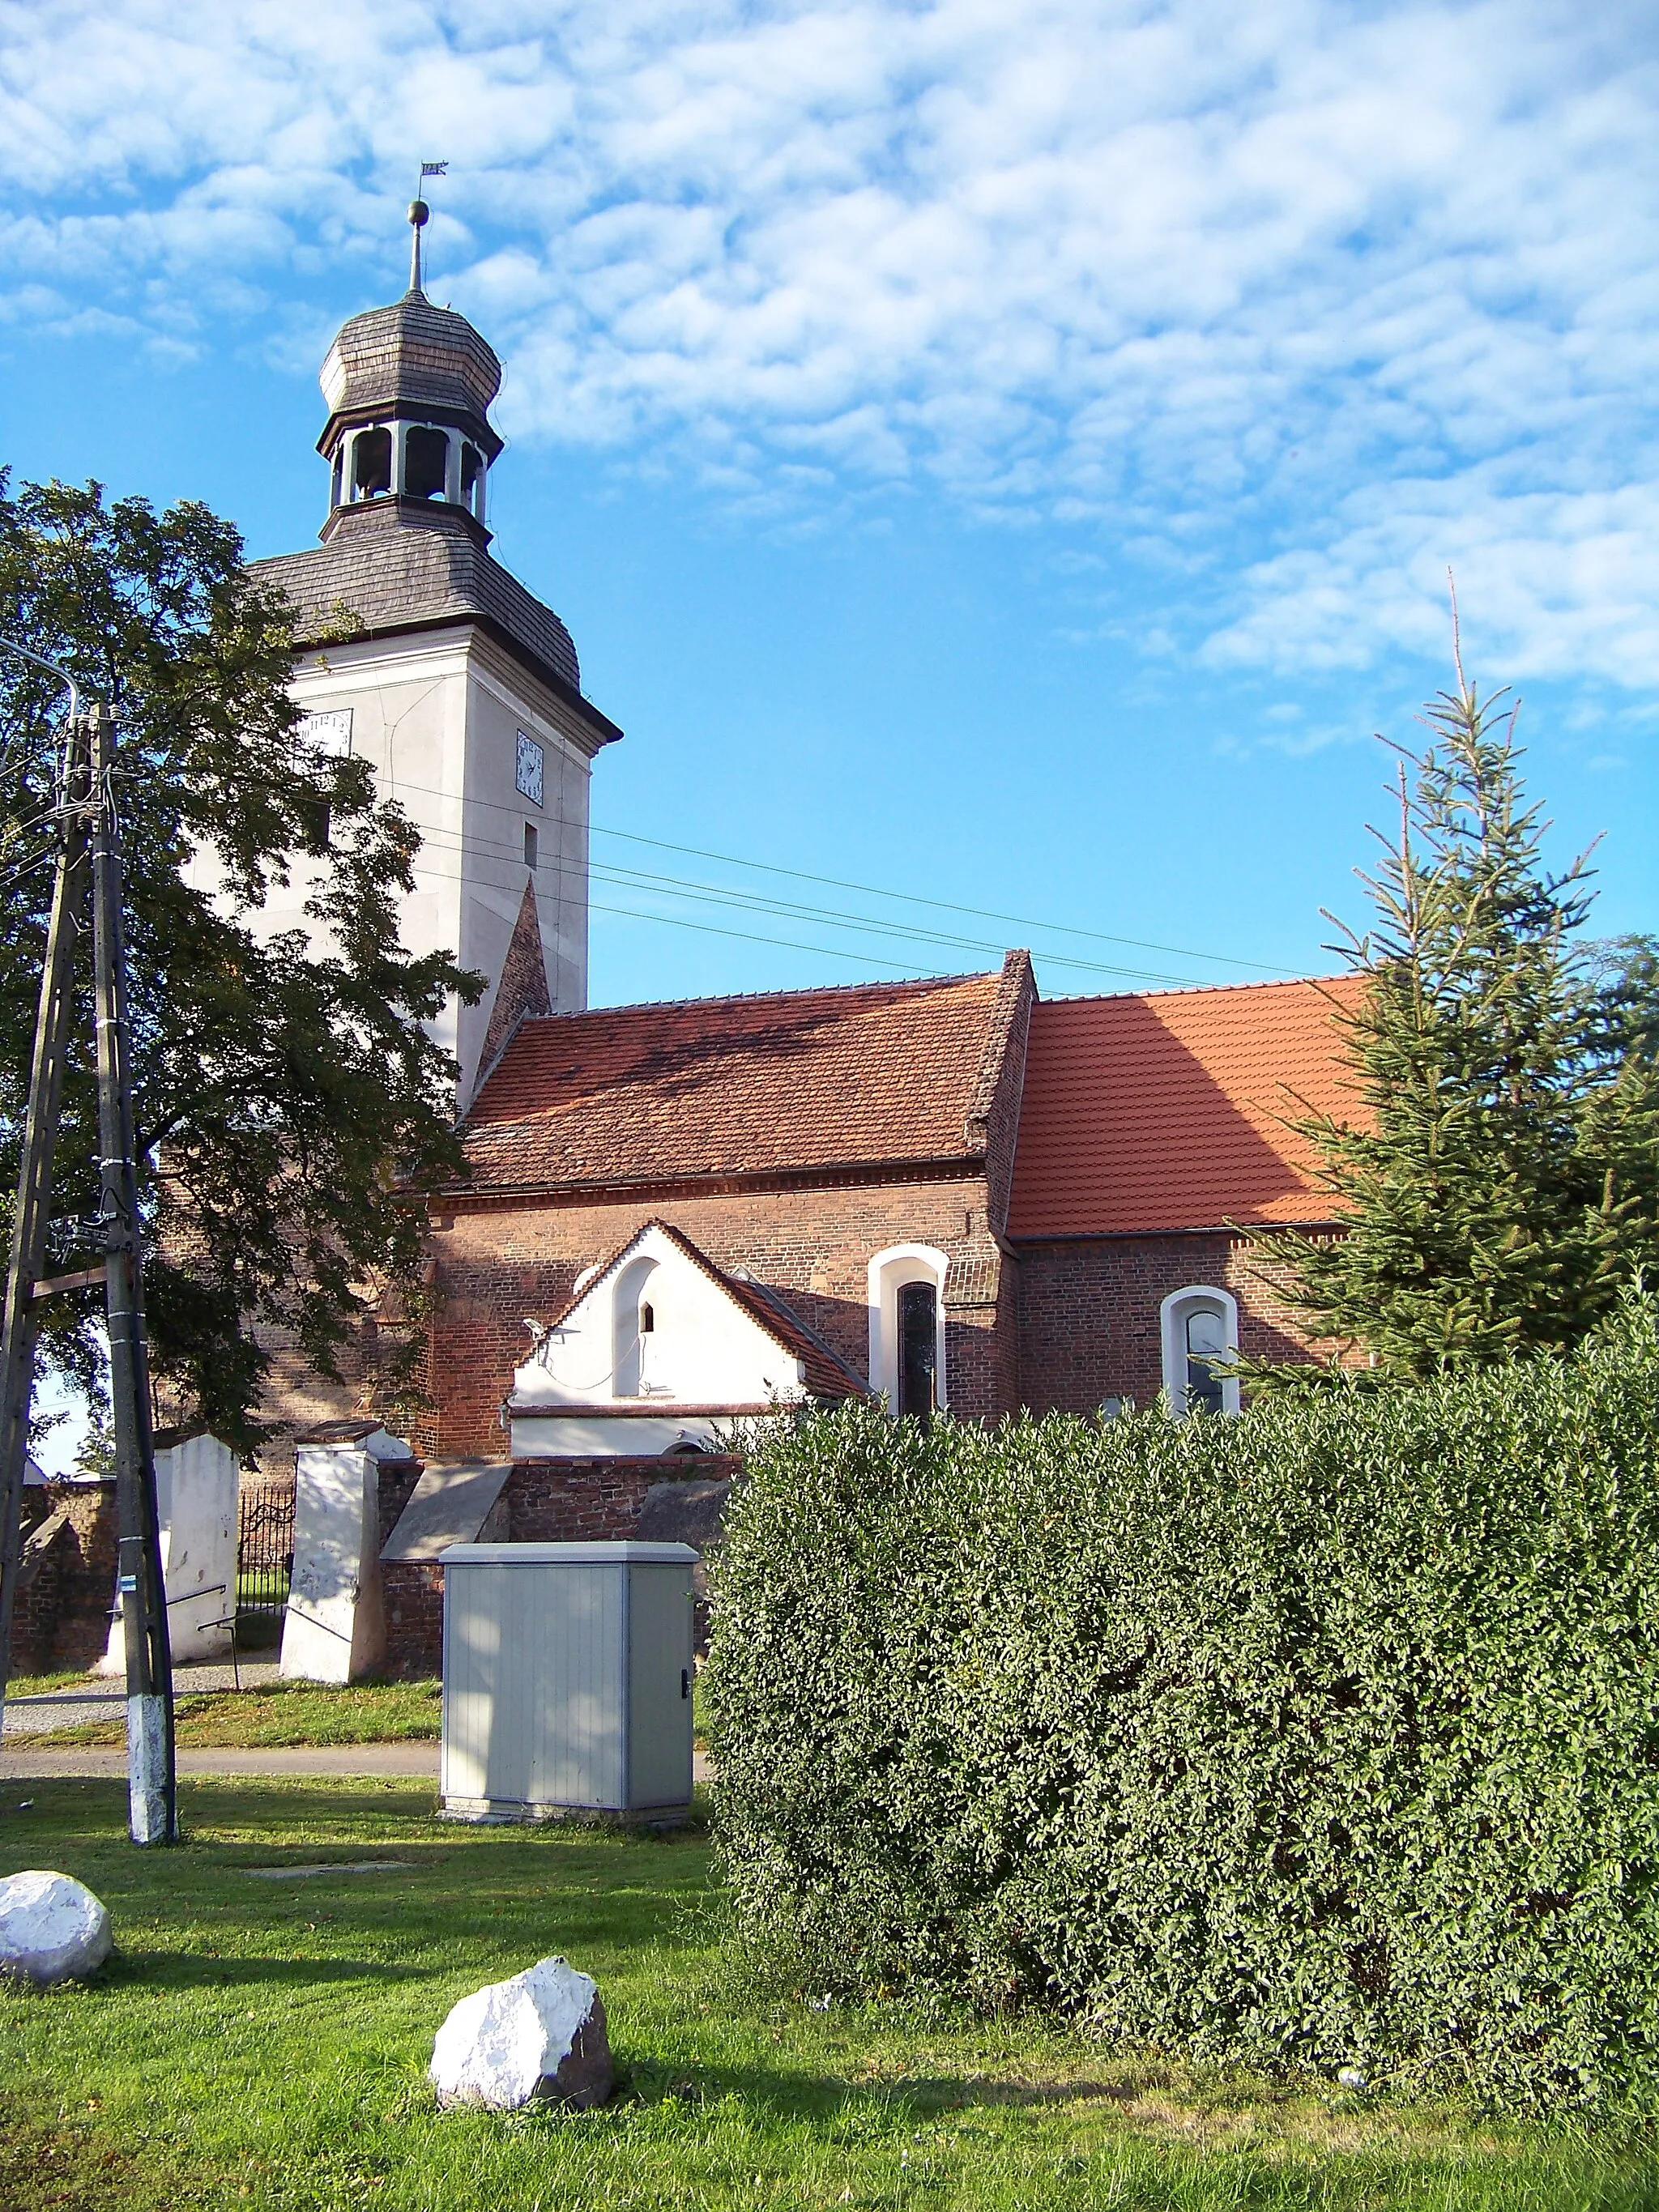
(418, 1760)
(85, 1763)
(104, 1694)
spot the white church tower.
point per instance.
(421, 654)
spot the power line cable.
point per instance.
(790, 910)
(831, 951)
(949, 906)
(709, 929)
(690, 889)
(870, 890)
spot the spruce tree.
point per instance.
(1500, 1182)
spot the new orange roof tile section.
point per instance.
(1158, 1110)
(788, 1079)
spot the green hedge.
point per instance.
(1329, 1735)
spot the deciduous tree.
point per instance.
(289, 1102)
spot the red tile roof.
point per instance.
(787, 1080)
(1160, 1109)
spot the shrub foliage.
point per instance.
(1323, 1737)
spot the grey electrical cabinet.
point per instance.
(566, 1679)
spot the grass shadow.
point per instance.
(181, 1971)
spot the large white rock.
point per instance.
(540, 2034)
(52, 1929)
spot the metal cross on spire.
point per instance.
(419, 213)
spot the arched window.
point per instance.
(425, 462)
(907, 1327)
(371, 463)
(1200, 1334)
(918, 1348)
(635, 1324)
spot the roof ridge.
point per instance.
(769, 1295)
(1015, 978)
(1196, 990)
(752, 997)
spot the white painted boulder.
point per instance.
(53, 1930)
(539, 2035)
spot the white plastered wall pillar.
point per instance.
(889, 1272)
(334, 1629)
(196, 1488)
(1173, 1316)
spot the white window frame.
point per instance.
(1172, 1328)
(889, 1272)
(628, 1293)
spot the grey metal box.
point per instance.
(566, 1679)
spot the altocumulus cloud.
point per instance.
(1303, 300)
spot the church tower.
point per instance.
(421, 654)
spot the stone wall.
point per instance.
(63, 1611)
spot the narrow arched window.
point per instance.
(472, 480)
(1200, 1343)
(918, 1348)
(371, 463)
(1206, 1344)
(635, 1321)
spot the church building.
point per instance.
(949, 1193)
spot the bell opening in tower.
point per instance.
(371, 463)
(426, 462)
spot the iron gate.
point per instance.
(265, 1562)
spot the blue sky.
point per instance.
(1010, 455)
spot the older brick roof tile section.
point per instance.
(872, 1073)
(1158, 1110)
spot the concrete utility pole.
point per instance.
(152, 1790)
(86, 788)
(34, 1213)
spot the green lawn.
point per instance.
(279, 1713)
(66, 1678)
(265, 2043)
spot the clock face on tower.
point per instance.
(530, 769)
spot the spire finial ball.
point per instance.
(418, 212)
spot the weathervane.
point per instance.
(419, 213)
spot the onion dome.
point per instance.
(412, 360)
(409, 388)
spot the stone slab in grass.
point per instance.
(538, 2036)
(53, 1930)
(309, 1873)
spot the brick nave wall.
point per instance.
(1089, 1325)
(493, 1265)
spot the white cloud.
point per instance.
(1305, 300)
